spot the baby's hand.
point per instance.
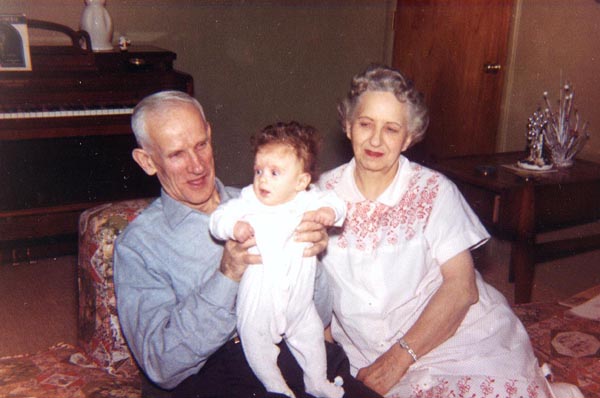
(242, 231)
(325, 216)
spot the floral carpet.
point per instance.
(62, 371)
(569, 344)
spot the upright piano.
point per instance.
(66, 141)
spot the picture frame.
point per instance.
(14, 43)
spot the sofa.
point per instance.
(102, 366)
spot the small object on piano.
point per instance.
(124, 43)
(485, 170)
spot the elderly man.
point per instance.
(176, 287)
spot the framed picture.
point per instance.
(14, 43)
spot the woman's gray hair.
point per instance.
(383, 78)
(158, 103)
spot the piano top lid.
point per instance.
(50, 59)
(79, 57)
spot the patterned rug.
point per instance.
(61, 371)
(569, 344)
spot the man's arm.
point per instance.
(171, 337)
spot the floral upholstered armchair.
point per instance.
(99, 332)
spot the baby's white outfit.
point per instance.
(275, 298)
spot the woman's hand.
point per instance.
(386, 371)
(236, 258)
(311, 231)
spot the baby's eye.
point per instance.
(275, 173)
(257, 172)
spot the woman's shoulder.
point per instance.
(425, 173)
(328, 180)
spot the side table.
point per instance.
(517, 205)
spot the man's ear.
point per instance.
(303, 181)
(144, 160)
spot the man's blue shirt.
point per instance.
(175, 307)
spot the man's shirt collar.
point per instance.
(176, 212)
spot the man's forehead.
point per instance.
(177, 127)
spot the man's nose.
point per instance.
(196, 164)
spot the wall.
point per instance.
(258, 61)
(554, 42)
(253, 62)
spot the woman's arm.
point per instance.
(439, 321)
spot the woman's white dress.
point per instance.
(385, 266)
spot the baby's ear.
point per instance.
(303, 181)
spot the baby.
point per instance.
(275, 298)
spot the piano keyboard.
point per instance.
(65, 113)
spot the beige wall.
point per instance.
(554, 41)
(253, 62)
(258, 61)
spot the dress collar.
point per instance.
(390, 197)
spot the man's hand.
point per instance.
(311, 231)
(236, 258)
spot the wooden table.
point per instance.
(517, 205)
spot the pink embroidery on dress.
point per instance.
(465, 387)
(369, 224)
(510, 388)
(487, 386)
(532, 389)
(334, 178)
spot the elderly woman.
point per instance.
(414, 316)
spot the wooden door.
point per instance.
(444, 46)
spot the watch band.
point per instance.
(405, 345)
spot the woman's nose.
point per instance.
(375, 137)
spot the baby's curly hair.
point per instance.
(305, 140)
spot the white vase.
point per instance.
(96, 20)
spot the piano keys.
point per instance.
(66, 140)
(66, 111)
